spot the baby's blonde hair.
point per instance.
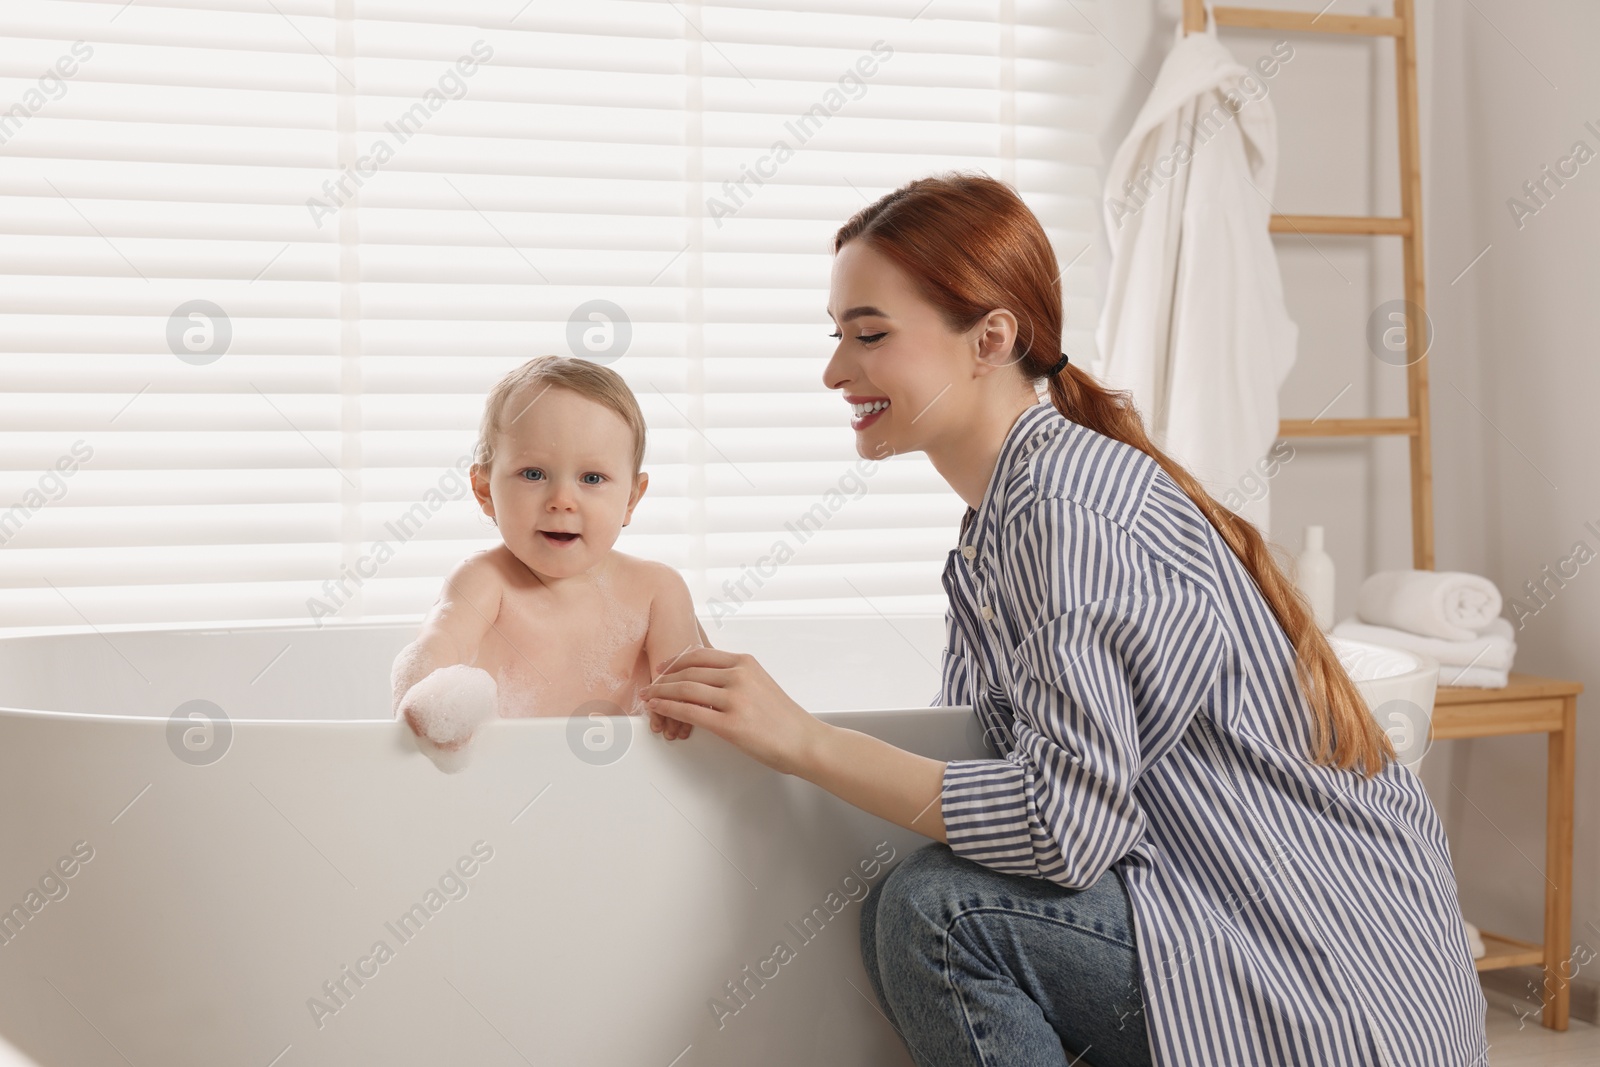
(590, 380)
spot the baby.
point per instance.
(552, 621)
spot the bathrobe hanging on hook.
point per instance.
(1194, 321)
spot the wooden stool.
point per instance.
(1529, 704)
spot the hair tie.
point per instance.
(1053, 371)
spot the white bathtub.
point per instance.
(596, 897)
(617, 901)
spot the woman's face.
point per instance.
(896, 354)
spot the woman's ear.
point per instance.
(995, 337)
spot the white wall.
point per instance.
(1515, 383)
(1517, 394)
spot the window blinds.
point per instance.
(264, 258)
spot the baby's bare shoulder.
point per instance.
(488, 566)
(483, 577)
(469, 600)
(647, 575)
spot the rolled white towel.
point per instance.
(1453, 605)
(1474, 677)
(1494, 647)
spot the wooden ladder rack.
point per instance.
(1416, 424)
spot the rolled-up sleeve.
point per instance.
(1101, 691)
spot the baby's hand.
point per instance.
(671, 729)
(448, 706)
(674, 729)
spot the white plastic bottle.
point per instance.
(1314, 576)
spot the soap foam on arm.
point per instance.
(436, 690)
(449, 705)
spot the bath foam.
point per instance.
(451, 702)
(406, 664)
(623, 628)
(521, 695)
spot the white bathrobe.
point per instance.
(1194, 320)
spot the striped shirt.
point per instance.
(1142, 698)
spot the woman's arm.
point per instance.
(875, 776)
(730, 694)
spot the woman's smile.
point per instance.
(864, 411)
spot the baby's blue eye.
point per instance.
(592, 474)
(533, 474)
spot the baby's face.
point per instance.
(563, 465)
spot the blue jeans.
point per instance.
(977, 967)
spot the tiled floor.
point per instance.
(1514, 1042)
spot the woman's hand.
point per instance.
(732, 696)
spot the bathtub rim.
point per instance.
(376, 622)
(832, 716)
(300, 623)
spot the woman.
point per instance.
(1197, 846)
